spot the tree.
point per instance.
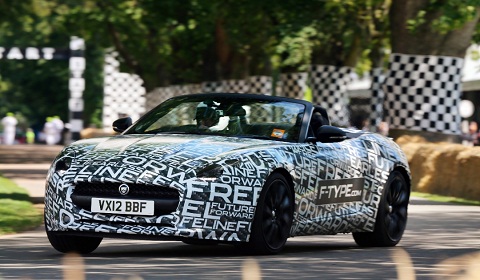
(433, 27)
(350, 33)
(185, 41)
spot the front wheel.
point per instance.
(72, 243)
(392, 215)
(273, 217)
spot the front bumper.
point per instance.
(198, 215)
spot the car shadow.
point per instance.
(180, 250)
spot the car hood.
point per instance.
(167, 145)
(145, 157)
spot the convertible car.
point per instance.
(244, 169)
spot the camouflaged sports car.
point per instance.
(244, 169)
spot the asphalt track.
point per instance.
(442, 241)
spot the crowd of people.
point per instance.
(51, 134)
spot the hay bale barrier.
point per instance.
(443, 168)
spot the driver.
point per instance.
(206, 117)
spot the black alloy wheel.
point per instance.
(273, 217)
(392, 214)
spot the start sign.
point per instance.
(32, 53)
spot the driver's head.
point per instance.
(206, 116)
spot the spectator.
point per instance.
(9, 123)
(58, 126)
(50, 132)
(471, 137)
(30, 136)
(383, 128)
(359, 120)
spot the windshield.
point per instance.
(227, 116)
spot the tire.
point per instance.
(273, 217)
(72, 243)
(392, 215)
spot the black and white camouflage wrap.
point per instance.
(337, 186)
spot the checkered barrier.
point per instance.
(422, 93)
(192, 88)
(186, 89)
(293, 85)
(329, 90)
(261, 85)
(377, 99)
(159, 95)
(239, 86)
(124, 94)
(213, 86)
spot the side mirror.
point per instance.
(122, 124)
(330, 134)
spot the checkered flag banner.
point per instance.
(186, 89)
(192, 88)
(422, 93)
(123, 93)
(158, 95)
(261, 84)
(212, 86)
(378, 98)
(161, 94)
(293, 85)
(329, 90)
(238, 86)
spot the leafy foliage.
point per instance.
(451, 15)
(189, 41)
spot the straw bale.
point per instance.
(468, 180)
(443, 168)
(407, 139)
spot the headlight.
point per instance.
(63, 164)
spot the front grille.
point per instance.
(109, 189)
(166, 199)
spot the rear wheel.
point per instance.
(72, 243)
(392, 215)
(273, 217)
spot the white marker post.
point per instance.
(76, 85)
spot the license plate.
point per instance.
(123, 206)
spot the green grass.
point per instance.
(17, 213)
(441, 198)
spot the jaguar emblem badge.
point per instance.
(123, 189)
